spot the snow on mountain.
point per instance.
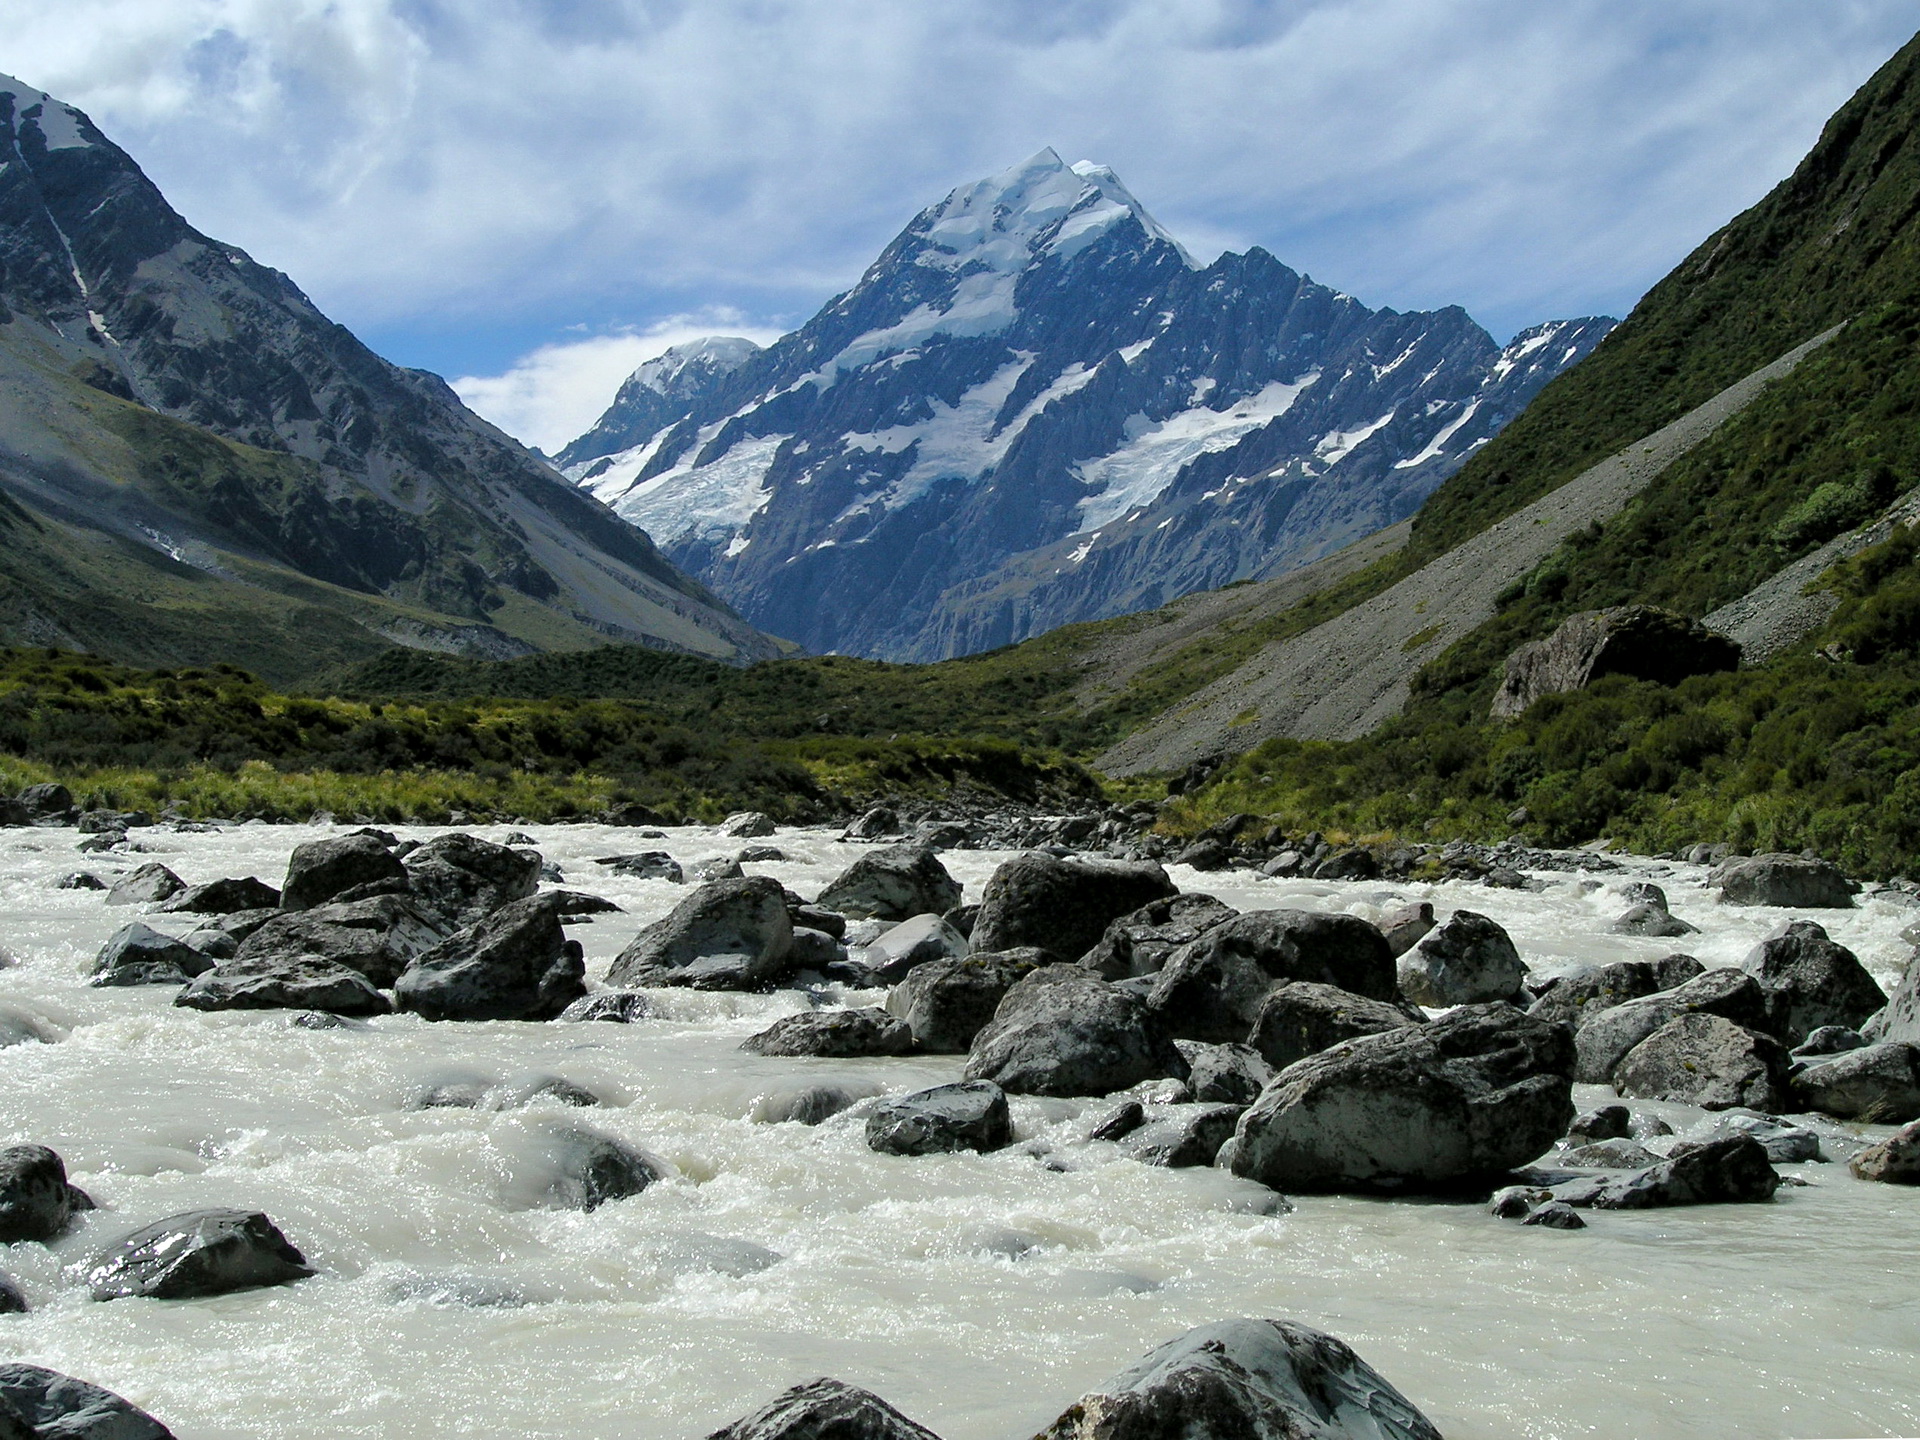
(1034, 408)
(663, 390)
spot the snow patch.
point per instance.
(59, 123)
(1439, 442)
(704, 502)
(1336, 445)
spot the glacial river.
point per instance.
(979, 1294)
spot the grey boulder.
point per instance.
(893, 884)
(1879, 1084)
(945, 1003)
(747, 825)
(462, 879)
(1900, 1020)
(1063, 905)
(202, 1252)
(137, 954)
(915, 941)
(1407, 926)
(824, 1410)
(1139, 943)
(379, 936)
(1709, 1061)
(1603, 1041)
(1181, 1136)
(726, 935)
(1213, 988)
(836, 1034)
(1304, 1017)
(36, 1202)
(1892, 1161)
(1791, 881)
(299, 983)
(1468, 961)
(1577, 997)
(618, 1007)
(319, 870)
(1224, 1074)
(148, 885)
(223, 897)
(52, 1406)
(591, 1169)
(1811, 982)
(1062, 1030)
(1719, 1172)
(970, 1115)
(1649, 918)
(516, 964)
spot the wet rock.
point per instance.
(727, 935)
(747, 825)
(1575, 998)
(1468, 961)
(1829, 1040)
(807, 1106)
(1205, 854)
(1303, 1018)
(1407, 926)
(946, 1003)
(647, 865)
(212, 942)
(812, 917)
(1784, 1142)
(320, 870)
(915, 941)
(1709, 1061)
(619, 1007)
(1791, 881)
(48, 800)
(1063, 905)
(36, 1202)
(474, 1291)
(52, 1406)
(1877, 1083)
(1648, 918)
(1900, 1020)
(1224, 1074)
(875, 824)
(1608, 1122)
(201, 1252)
(575, 904)
(630, 813)
(1638, 640)
(378, 937)
(1181, 1136)
(321, 1020)
(1892, 1161)
(17, 1027)
(463, 879)
(835, 1034)
(148, 885)
(1213, 989)
(591, 1169)
(824, 1410)
(893, 884)
(1479, 1091)
(970, 1115)
(1140, 943)
(1122, 1120)
(137, 954)
(535, 1088)
(1731, 1171)
(1063, 1031)
(1617, 1154)
(297, 983)
(13, 1301)
(815, 950)
(1810, 982)
(223, 897)
(516, 964)
(1515, 1202)
(79, 880)
(717, 867)
(1246, 1380)
(1604, 1040)
(1554, 1215)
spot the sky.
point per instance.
(532, 196)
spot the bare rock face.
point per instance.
(465, 879)
(1576, 998)
(1303, 1018)
(1791, 881)
(1709, 1061)
(148, 885)
(1470, 960)
(1140, 943)
(834, 1034)
(1064, 1031)
(1246, 1380)
(321, 869)
(1213, 989)
(299, 982)
(36, 1202)
(1063, 906)
(970, 1115)
(1636, 640)
(727, 935)
(1731, 1171)
(824, 1410)
(896, 883)
(1876, 1083)
(516, 964)
(1811, 982)
(1603, 1040)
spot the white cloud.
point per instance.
(554, 394)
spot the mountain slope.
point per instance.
(1035, 408)
(659, 394)
(159, 389)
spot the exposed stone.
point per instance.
(1205, 854)
(915, 941)
(1213, 989)
(1554, 1215)
(809, 1105)
(137, 954)
(1514, 1202)
(201, 1252)
(1829, 1040)
(1731, 1171)
(1900, 1020)
(47, 801)
(1608, 1122)
(1468, 961)
(1479, 1091)
(1810, 981)
(1303, 1018)
(727, 935)
(824, 1410)
(591, 1169)
(1575, 998)
(621, 1007)
(1180, 1136)
(320, 870)
(717, 867)
(946, 1003)
(812, 917)
(1063, 905)
(1407, 926)
(1709, 1061)
(148, 885)
(52, 1406)
(277, 983)
(1224, 1074)
(515, 964)
(1656, 920)
(464, 879)
(1617, 1154)
(1122, 1120)
(1636, 640)
(875, 824)
(1604, 1040)
(379, 937)
(971, 1115)
(79, 880)
(1879, 1084)
(836, 1034)
(1063, 1031)
(818, 951)
(1785, 1142)
(747, 825)
(36, 1202)
(1141, 942)
(223, 897)
(893, 884)
(647, 865)
(1892, 1161)
(1791, 881)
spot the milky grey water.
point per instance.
(980, 1294)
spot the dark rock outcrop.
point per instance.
(516, 964)
(1876, 1083)
(893, 884)
(1063, 905)
(824, 1410)
(462, 879)
(379, 936)
(1636, 640)
(1603, 1041)
(36, 1202)
(1809, 982)
(319, 870)
(149, 884)
(1575, 998)
(1212, 989)
(1709, 1061)
(591, 1169)
(619, 1007)
(727, 935)
(1180, 1136)
(912, 943)
(1731, 1171)
(1791, 881)
(1062, 1030)
(137, 954)
(1224, 1074)
(1303, 1018)
(223, 897)
(1139, 944)
(284, 983)
(970, 1115)
(201, 1252)
(946, 1003)
(52, 1406)
(837, 1034)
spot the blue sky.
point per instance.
(530, 196)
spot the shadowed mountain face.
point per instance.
(1035, 408)
(175, 414)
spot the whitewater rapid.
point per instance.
(980, 1294)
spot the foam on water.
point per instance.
(980, 1294)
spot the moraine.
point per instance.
(980, 1294)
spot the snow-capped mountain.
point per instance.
(663, 390)
(1035, 407)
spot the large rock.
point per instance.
(137, 954)
(824, 1410)
(1709, 1061)
(148, 885)
(223, 897)
(893, 884)
(591, 1169)
(1063, 905)
(1604, 1040)
(516, 964)
(1474, 1093)
(379, 936)
(971, 1115)
(947, 1002)
(1575, 998)
(1063, 1030)
(835, 1034)
(36, 1202)
(1892, 1161)
(1636, 640)
(462, 879)
(52, 1406)
(319, 870)
(1181, 1136)
(1140, 943)
(1468, 961)
(912, 943)
(202, 1252)
(1900, 1020)
(1212, 989)
(1246, 1380)
(1224, 1074)
(1878, 1083)
(1730, 1171)
(747, 825)
(283, 983)
(1810, 982)
(1303, 1018)
(48, 800)
(1791, 881)
(727, 935)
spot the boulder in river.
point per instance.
(726, 935)
(1653, 918)
(223, 897)
(747, 825)
(1406, 926)
(1212, 989)
(137, 954)
(1643, 641)
(1879, 1084)
(1478, 1091)
(52, 1406)
(379, 936)
(893, 884)
(824, 1410)
(1062, 1030)
(1578, 996)
(284, 983)
(945, 1003)
(516, 964)
(647, 865)
(463, 879)
(201, 1252)
(1894, 1160)
(591, 1169)
(1793, 882)
(970, 1115)
(1224, 1074)
(1182, 1136)
(36, 1202)
(1718, 1172)
(1470, 960)
(1063, 905)
(619, 1007)
(915, 941)
(1603, 1041)
(147, 885)
(1810, 982)
(1900, 1020)
(319, 870)
(834, 1034)
(1246, 1380)
(48, 800)
(1139, 943)
(1709, 1061)
(1303, 1018)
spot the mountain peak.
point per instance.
(60, 125)
(680, 371)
